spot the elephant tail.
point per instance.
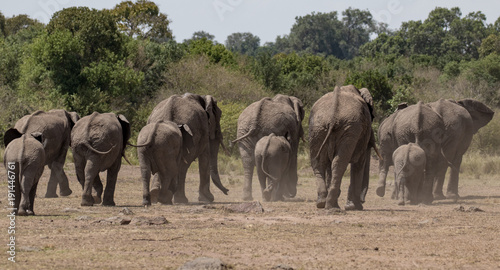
(97, 151)
(244, 136)
(330, 130)
(264, 158)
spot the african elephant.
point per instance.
(340, 133)
(26, 152)
(272, 155)
(462, 119)
(159, 151)
(409, 172)
(55, 126)
(418, 124)
(202, 115)
(280, 115)
(98, 143)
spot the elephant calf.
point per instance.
(27, 151)
(98, 142)
(272, 156)
(409, 173)
(160, 152)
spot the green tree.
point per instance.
(17, 23)
(142, 19)
(201, 35)
(358, 25)
(244, 43)
(490, 45)
(3, 33)
(377, 83)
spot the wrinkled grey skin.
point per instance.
(160, 152)
(202, 115)
(462, 119)
(409, 173)
(272, 154)
(55, 126)
(27, 150)
(98, 143)
(280, 115)
(340, 133)
(419, 124)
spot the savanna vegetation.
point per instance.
(125, 60)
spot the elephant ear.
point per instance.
(72, 117)
(211, 109)
(38, 136)
(125, 128)
(11, 135)
(480, 113)
(365, 94)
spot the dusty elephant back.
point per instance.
(102, 132)
(27, 151)
(55, 130)
(264, 117)
(181, 110)
(339, 114)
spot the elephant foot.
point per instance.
(108, 203)
(181, 199)
(380, 191)
(452, 196)
(438, 196)
(166, 202)
(66, 192)
(154, 193)
(247, 195)
(266, 195)
(401, 202)
(97, 199)
(51, 195)
(331, 205)
(351, 206)
(87, 201)
(206, 197)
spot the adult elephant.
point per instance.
(340, 133)
(462, 119)
(98, 142)
(281, 115)
(55, 127)
(202, 115)
(419, 124)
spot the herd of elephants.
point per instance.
(422, 141)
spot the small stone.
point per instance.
(126, 211)
(248, 207)
(205, 263)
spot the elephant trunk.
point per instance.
(214, 170)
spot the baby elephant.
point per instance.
(26, 153)
(159, 152)
(272, 159)
(409, 170)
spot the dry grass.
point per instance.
(64, 235)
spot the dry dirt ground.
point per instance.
(294, 234)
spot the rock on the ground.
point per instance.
(205, 264)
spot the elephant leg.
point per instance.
(146, 178)
(111, 177)
(356, 186)
(166, 175)
(91, 171)
(452, 189)
(79, 168)
(204, 194)
(155, 188)
(266, 193)
(180, 193)
(427, 186)
(23, 209)
(339, 166)
(248, 165)
(32, 199)
(366, 177)
(97, 190)
(437, 190)
(53, 180)
(382, 177)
